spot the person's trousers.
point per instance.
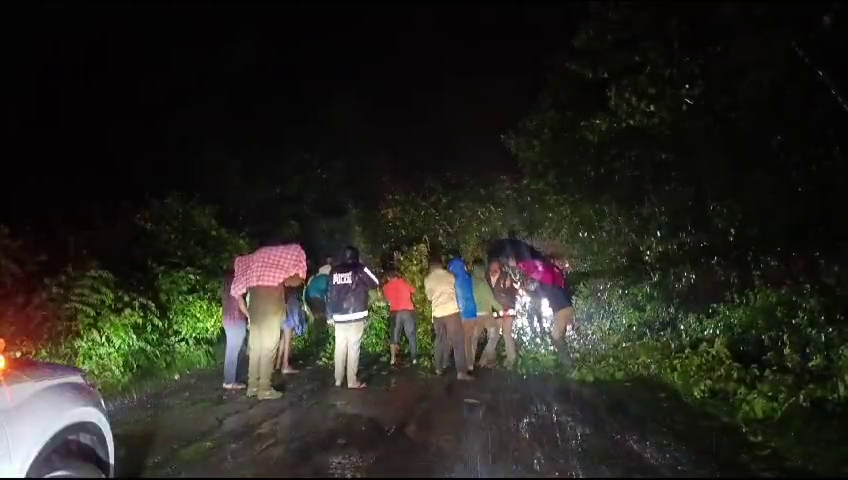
(404, 320)
(492, 326)
(468, 328)
(348, 338)
(564, 317)
(319, 316)
(262, 344)
(235, 333)
(449, 334)
(509, 340)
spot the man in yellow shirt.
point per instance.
(440, 287)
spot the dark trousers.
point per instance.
(449, 333)
(404, 320)
(319, 316)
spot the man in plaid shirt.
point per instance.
(263, 275)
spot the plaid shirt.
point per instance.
(268, 267)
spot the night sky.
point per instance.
(115, 100)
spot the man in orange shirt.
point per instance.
(399, 292)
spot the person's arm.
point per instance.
(370, 279)
(242, 305)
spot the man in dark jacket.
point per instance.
(347, 303)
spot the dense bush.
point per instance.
(164, 309)
(688, 166)
(762, 352)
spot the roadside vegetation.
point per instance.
(690, 167)
(687, 161)
(117, 313)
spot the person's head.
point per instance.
(391, 274)
(270, 240)
(435, 263)
(494, 268)
(328, 260)
(350, 254)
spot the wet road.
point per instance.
(409, 423)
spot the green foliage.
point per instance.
(375, 339)
(108, 332)
(447, 218)
(178, 233)
(753, 360)
(163, 309)
(193, 307)
(684, 160)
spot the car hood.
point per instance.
(29, 371)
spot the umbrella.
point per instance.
(507, 248)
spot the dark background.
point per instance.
(112, 101)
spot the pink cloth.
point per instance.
(544, 272)
(268, 267)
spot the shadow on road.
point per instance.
(132, 453)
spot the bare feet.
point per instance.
(464, 376)
(358, 386)
(289, 371)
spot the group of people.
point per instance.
(261, 295)
(464, 303)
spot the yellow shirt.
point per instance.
(440, 287)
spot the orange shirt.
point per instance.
(399, 294)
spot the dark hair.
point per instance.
(435, 261)
(270, 240)
(350, 254)
(391, 273)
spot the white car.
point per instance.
(53, 423)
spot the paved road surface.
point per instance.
(409, 423)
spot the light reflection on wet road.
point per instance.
(411, 424)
